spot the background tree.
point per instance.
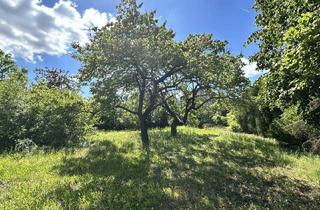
(130, 59)
(211, 74)
(288, 41)
(47, 113)
(54, 77)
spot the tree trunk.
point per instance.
(174, 126)
(200, 125)
(144, 134)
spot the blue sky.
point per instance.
(231, 20)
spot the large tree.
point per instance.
(211, 73)
(288, 41)
(130, 59)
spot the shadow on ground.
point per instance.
(190, 172)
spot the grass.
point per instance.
(200, 169)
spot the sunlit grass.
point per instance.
(200, 169)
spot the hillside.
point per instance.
(201, 169)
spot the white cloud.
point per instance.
(250, 68)
(28, 28)
(92, 17)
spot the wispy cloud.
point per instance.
(245, 10)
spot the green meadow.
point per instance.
(198, 169)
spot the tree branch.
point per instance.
(126, 109)
(168, 74)
(168, 108)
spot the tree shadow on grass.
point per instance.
(190, 172)
(235, 174)
(108, 177)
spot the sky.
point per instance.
(39, 33)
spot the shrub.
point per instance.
(219, 120)
(56, 117)
(233, 123)
(312, 145)
(25, 146)
(291, 128)
(116, 119)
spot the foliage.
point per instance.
(11, 111)
(200, 169)
(288, 46)
(117, 119)
(42, 115)
(128, 60)
(211, 74)
(250, 114)
(211, 114)
(56, 117)
(300, 65)
(159, 118)
(25, 146)
(7, 65)
(291, 128)
(12, 92)
(233, 122)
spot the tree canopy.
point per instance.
(131, 58)
(288, 41)
(211, 73)
(136, 58)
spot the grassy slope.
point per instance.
(202, 169)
